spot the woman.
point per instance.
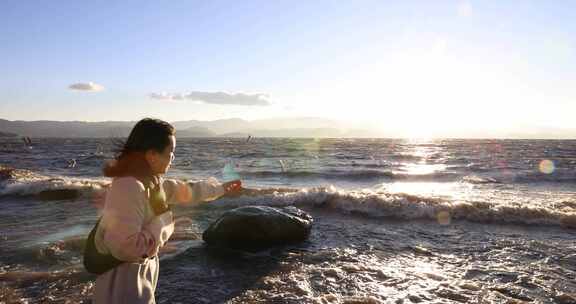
(137, 220)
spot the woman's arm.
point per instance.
(126, 235)
(187, 193)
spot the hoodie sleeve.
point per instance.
(188, 193)
(128, 236)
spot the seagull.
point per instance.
(72, 163)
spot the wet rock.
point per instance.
(474, 273)
(328, 298)
(360, 300)
(512, 293)
(568, 260)
(470, 286)
(568, 221)
(49, 253)
(564, 298)
(414, 299)
(333, 272)
(526, 282)
(422, 250)
(73, 243)
(254, 227)
(434, 276)
(59, 194)
(452, 295)
(506, 277)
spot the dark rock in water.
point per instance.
(568, 221)
(452, 295)
(6, 134)
(564, 298)
(512, 292)
(59, 194)
(258, 227)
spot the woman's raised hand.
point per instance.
(232, 187)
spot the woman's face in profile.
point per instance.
(160, 162)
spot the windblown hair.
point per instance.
(147, 134)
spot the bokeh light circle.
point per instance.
(546, 166)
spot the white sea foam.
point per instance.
(405, 206)
(361, 202)
(25, 183)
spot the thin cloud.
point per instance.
(220, 98)
(166, 96)
(86, 86)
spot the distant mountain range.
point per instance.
(284, 127)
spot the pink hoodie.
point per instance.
(130, 230)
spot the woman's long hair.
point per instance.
(147, 134)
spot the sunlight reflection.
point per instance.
(423, 169)
(422, 152)
(427, 270)
(420, 148)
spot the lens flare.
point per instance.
(444, 218)
(546, 166)
(183, 193)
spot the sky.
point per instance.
(406, 67)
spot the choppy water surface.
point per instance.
(396, 221)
